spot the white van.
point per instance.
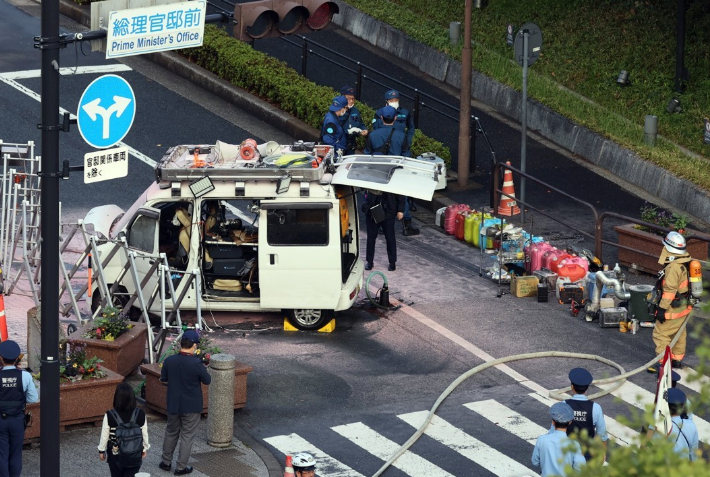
(270, 227)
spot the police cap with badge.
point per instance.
(562, 412)
(676, 396)
(391, 94)
(580, 377)
(347, 91)
(388, 114)
(9, 351)
(339, 102)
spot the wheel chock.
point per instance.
(329, 328)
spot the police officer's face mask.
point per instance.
(394, 104)
(351, 101)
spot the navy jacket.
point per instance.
(404, 121)
(332, 132)
(184, 374)
(377, 139)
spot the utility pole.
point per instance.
(49, 44)
(465, 108)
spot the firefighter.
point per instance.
(674, 301)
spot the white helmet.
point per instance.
(674, 242)
(303, 461)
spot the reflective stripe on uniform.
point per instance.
(680, 314)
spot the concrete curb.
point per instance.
(577, 139)
(271, 463)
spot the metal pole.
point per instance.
(49, 216)
(465, 108)
(472, 142)
(524, 128)
(416, 108)
(680, 46)
(304, 59)
(358, 82)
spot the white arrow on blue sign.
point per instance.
(106, 111)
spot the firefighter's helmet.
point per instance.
(674, 242)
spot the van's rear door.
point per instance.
(299, 254)
(395, 174)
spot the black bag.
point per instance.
(377, 213)
(128, 446)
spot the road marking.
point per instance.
(687, 373)
(380, 446)
(81, 70)
(5, 78)
(466, 445)
(327, 466)
(505, 418)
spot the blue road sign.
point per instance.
(106, 111)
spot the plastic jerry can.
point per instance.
(534, 254)
(547, 257)
(556, 259)
(477, 224)
(450, 217)
(573, 267)
(459, 224)
(469, 225)
(440, 217)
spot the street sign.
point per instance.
(106, 111)
(509, 35)
(106, 164)
(534, 43)
(158, 28)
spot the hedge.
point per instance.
(274, 81)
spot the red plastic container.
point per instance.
(556, 259)
(573, 267)
(460, 224)
(450, 217)
(534, 255)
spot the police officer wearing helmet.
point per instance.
(17, 389)
(304, 465)
(674, 304)
(555, 451)
(684, 433)
(351, 121)
(332, 131)
(588, 415)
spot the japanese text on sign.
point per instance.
(158, 28)
(105, 165)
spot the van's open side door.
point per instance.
(142, 239)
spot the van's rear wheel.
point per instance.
(308, 319)
(119, 301)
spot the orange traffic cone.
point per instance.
(3, 321)
(508, 206)
(288, 470)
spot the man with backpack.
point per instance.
(124, 434)
(184, 374)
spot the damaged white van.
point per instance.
(269, 227)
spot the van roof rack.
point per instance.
(246, 161)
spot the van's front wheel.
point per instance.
(307, 319)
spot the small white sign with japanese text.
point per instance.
(106, 164)
(157, 28)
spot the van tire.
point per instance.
(309, 319)
(120, 301)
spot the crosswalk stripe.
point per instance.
(639, 397)
(466, 445)
(506, 418)
(380, 446)
(687, 373)
(622, 434)
(327, 466)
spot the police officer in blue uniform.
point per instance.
(17, 390)
(387, 139)
(332, 131)
(403, 121)
(351, 121)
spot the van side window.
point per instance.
(297, 227)
(142, 234)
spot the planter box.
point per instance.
(122, 355)
(80, 402)
(653, 244)
(156, 393)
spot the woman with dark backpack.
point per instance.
(124, 434)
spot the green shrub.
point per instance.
(274, 81)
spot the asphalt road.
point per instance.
(350, 394)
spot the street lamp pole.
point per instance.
(465, 108)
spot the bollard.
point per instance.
(650, 130)
(455, 32)
(220, 408)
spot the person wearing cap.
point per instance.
(351, 121)
(588, 415)
(17, 390)
(184, 374)
(673, 287)
(555, 453)
(684, 433)
(387, 140)
(332, 132)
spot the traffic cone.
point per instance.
(288, 470)
(3, 321)
(508, 206)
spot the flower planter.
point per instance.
(156, 393)
(79, 402)
(123, 355)
(653, 244)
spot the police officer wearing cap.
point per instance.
(18, 388)
(588, 415)
(552, 451)
(332, 132)
(684, 433)
(387, 139)
(184, 374)
(352, 121)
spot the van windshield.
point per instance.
(130, 213)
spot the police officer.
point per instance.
(404, 122)
(684, 433)
(554, 451)
(351, 121)
(332, 131)
(674, 303)
(588, 415)
(386, 139)
(17, 390)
